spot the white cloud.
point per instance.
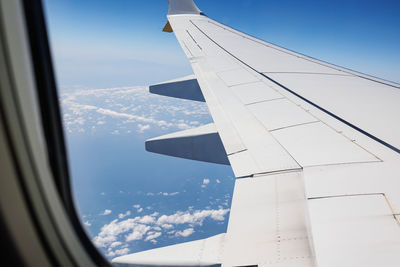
(87, 223)
(196, 217)
(118, 252)
(133, 107)
(218, 181)
(106, 212)
(147, 219)
(183, 126)
(167, 226)
(166, 194)
(142, 128)
(138, 208)
(140, 227)
(152, 236)
(115, 244)
(185, 233)
(122, 215)
(205, 182)
(138, 232)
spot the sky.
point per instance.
(104, 43)
(107, 52)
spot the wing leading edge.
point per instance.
(314, 147)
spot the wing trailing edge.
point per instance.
(204, 252)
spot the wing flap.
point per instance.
(362, 225)
(267, 224)
(316, 144)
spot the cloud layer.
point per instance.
(128, 110)
(115, 236)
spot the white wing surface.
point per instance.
(315, 149)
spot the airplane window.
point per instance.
(129, 199)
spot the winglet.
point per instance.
(182, 7)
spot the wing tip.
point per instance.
(177, 7)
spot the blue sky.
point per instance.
(106, 43)
(107, 52)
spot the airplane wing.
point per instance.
(315, 149)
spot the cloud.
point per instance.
(147, 219)
(185, 233)
(122, 215)
(138, 208)
(142, 128)
(127, 109)
(196, 217)
(115, 244)
(152, 236)
(205, 182)
(166, 194)
(138, 232)
(118, 252)
(131, 229)
(167, 226)
(218, 181)
(87, 223)
(106, 212)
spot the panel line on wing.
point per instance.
(299, 72)
(262, 101)
(294, 125)
(363, 194)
